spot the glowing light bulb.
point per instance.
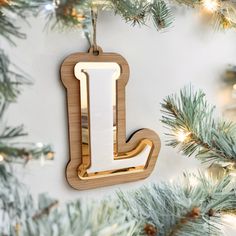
(211, 5)
(230, 220)
(1, 158)
(39, 145)
(49, 7)
(234, 86)
(182, 136)
(231, 168)
(50, 155)
(99, 3)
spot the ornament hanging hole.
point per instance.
(96, 51)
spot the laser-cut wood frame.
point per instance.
(75, 138)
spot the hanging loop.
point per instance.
(97, 52)
(94, 15)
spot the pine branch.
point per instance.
(190, 216)
(12, 132)
(16, 8)
(16, 203)
(10, 81)
(190, 207)
(45, 211)
(139, 12)
(10, 87)
(181, 208)
(80, 218)
(193, 129)
(9, 29)
(77, 13)
(220, 15)
(69, 14)
(161, 14)
(11, 153)
(134, 12)
(178, 209)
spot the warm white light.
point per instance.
(49, 7)
(233, 174)
(50, 155)
(99, 2)
(232, 171)
(211, 5)
(182, 136)
(193, 181)
(234, 86)
(1, 158)
(39, 145)
(229, 220)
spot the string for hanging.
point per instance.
(94, 16)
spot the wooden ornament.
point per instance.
(90, 164)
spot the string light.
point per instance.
(234, 91)
(17, 228)
(50, 155)
(49, 7)
(39, 145)
(229, 219)
(52, 6)
(182, 136)
(99, 3)
(211, 5)
(231, 168)
(193, 181)
(1, 158)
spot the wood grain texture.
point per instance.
(72, 86)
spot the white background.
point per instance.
(160, 64)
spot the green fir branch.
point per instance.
(188, 114)
(10, 87)
(9, 29)
(162, 15)
(221, 15)
(10, 81)
(134, 12)
(77, 14)
(16, 203)
(16, 9)
(80, 218)
(183, 208)
(139, 12)
(15, 153)
(190, 207)
(68, 14)
(12, 132)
